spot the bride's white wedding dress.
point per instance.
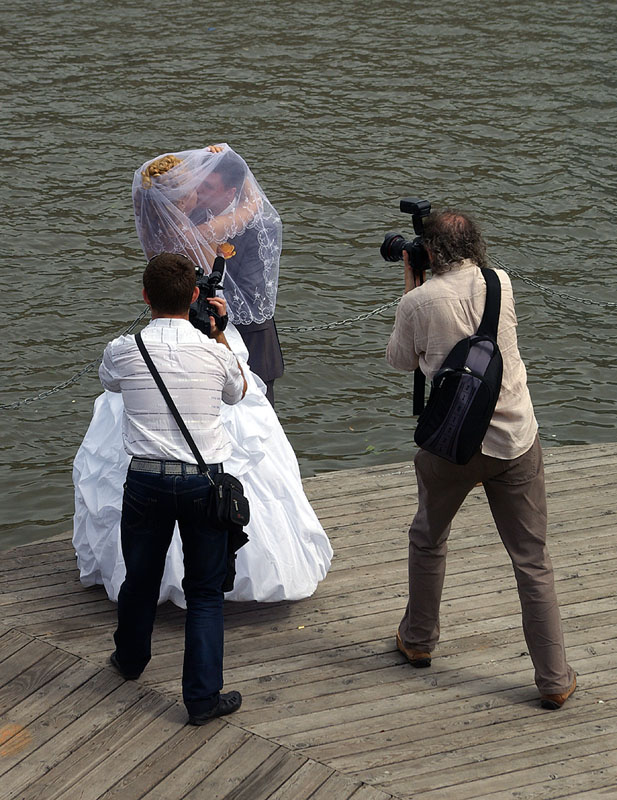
(288, 552)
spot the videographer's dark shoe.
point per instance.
(416, 658)
(227, 704)
(128, 676)
(553, 702)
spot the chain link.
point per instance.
(326, 327)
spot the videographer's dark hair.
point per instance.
(452, 237)
(169, 281)
(232, 170)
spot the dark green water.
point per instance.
(507, 110)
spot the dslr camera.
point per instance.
(394, 244)
(202, 309)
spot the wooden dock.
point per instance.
(331, 710)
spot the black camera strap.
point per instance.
(203, 467)
(488, 327)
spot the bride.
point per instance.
(178, 210)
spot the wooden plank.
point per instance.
(465, 756)
(61, 541)
(106, 616)
(371, 554)
(348, 671)
(24, 558)
(395, 499)
(53, 693)
(56, 732)
(46, 669)
(394, 683)
(547, 763)
(154, 768)
(273, 647)
(364, 792)
(64, 577)
(373, 642)
(303, 783)
(470, 524)
(22, 659)
(55, 591)
(556, 460)
(396, 503)
(444, 734)
(11, 641)
(336, 786)
(478, 530)
(392, 671)
(41, 571)
(193, 770)
(598, 785)
(51, 769)
(222, 781)
(110, 754)
(270, 775)
(40, 613)
(473, 692)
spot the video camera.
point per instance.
(201, 310)
(395, 243)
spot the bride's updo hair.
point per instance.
(158, 167)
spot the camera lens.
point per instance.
(392, 247)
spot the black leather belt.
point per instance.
(156, 467)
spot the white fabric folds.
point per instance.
(288, 551)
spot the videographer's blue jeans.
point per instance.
(150, 508)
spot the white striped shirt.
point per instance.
(198, 373)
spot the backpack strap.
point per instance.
(419, 388)
(492, 307)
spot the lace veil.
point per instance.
(200, 203)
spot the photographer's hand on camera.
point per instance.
(220, 306)
(412, 279)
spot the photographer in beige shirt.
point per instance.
(431, 318)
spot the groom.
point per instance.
(164, 485)
(216, 193)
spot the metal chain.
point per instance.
(584, 300)
(496, 261)
(74, 378)
(344, 322)
(326, 327)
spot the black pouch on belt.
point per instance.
(228, 506)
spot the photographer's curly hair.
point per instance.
(452, 237)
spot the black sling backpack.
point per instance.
(465, 389)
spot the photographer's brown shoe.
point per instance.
(552, 702)
(416, 658)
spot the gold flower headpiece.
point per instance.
(157, 168)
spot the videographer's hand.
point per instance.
(412, 279)
(221, 308)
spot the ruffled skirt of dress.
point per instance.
(288, 552)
